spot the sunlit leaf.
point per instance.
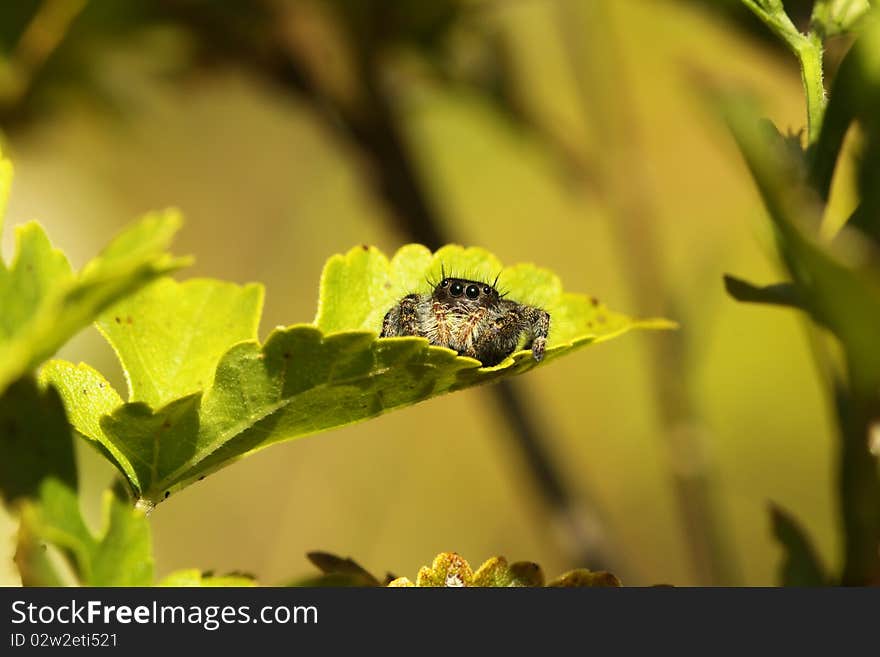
(167, 355)
(189, 414)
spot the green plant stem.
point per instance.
(808, 48)
(809, 53)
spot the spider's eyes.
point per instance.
(456, 289)
(444, 282)
(472, 291)
(487, 290)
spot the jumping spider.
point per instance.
(471, 318)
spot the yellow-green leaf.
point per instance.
(193, 408)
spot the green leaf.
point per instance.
(38, 473)
(358, 288)
(167, 355)
(5, 187)
(44, 302)
(800, 565)
(37, 449)
(34, 440)
(121, 556)
(188, 414)
(87, 397)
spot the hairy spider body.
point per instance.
(472, 318)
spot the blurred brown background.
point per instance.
(579, 143)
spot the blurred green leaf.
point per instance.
(498, 573)
(120, 556)
(526, 573)
(855, 95)
(338, 571)
(800, 565)
(778, 294)
(304, 378)
(582, 577)
(843, 296)
(34, 440)
(343, 567)
(866, 55)
(38, 471)
(43, 303)
(837, 295)
(833, 17)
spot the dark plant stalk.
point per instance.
(372, 127)
(601, 86)
(43, 35)
(859, 487)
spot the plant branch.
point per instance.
(42, 36)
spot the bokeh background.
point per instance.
(569, 133)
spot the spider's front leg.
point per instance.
(402, 319)
(498, 337)
(538, 324)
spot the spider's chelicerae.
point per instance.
(472, 318)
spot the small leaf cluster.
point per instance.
(451, 570)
